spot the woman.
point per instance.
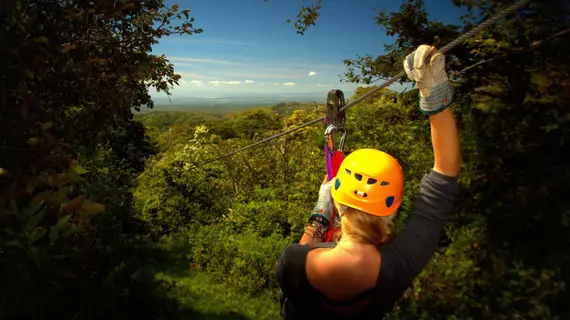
(366, 271)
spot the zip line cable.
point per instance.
(485, 24)
(265, 140)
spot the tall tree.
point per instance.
(71, 75)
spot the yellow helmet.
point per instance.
(371, 181)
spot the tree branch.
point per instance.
(533, 46)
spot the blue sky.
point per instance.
(247, 47)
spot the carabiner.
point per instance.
(330, 130)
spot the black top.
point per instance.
(402, 260)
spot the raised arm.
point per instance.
(413, 247)
(445, 141)
(427, 67)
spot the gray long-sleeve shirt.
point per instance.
(402, 260)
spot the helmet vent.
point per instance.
(371, 181)
(348, 172)
(390, 201)
(384, 183)
(358, 176)
(362, 194)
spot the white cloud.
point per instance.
(199, 60)
(215, 83)
(323, 85)
(197, 83)
(259, 73)
(312, 73)
(182, 81)
(289, 84)
(249, 81)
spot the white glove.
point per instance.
(323, 209)
(436, 92)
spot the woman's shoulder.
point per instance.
(290, 273)
(298, 251)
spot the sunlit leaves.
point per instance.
(88, 208)
(46, 126)
(33, 141)
(41, 40)
(307, 16)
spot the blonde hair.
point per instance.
(365, 228)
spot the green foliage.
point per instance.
(230, 258)
(70, 76)
(74, 239)
(307, 16)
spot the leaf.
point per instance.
(53, 235)
(47, 125)
(29, 74)
(73, 204)
(14, 244)
(36, 235)
(88, 208)
(61, 179)
(67, 47)
(79, 169)
(74, 177)
(57, 197)
(43, 196)
(41, 40)
(61, 222)
(33, 141)
(71, 231)
(33, 222)
(104, 170)
(30, 210)
(34, 256)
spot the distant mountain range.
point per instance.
(234, 102)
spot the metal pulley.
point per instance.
(335, 102)
(336, 120)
